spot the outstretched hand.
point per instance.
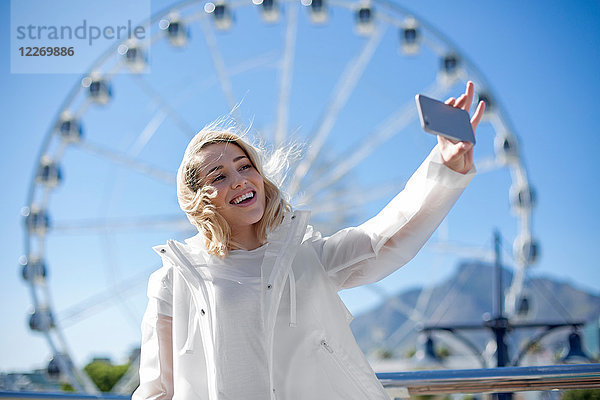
(456, 155)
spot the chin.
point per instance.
(257, 219)
(251, 219)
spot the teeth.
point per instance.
(243, 197)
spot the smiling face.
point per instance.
(240, 193)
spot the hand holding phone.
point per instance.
(450, 122)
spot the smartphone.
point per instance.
(444, 120)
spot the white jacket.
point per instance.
(313, 354)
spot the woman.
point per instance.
(248, 308)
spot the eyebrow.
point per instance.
(218, 167)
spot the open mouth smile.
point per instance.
(244, 199)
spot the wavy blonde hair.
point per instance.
(195, 199)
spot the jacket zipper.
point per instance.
(349, 374)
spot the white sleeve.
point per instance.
(156, 356)
(370, 252)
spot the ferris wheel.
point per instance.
(337, 75)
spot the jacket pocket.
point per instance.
(344, 366)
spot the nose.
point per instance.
(238, 181)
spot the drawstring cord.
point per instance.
(193, 323)
(292, 298)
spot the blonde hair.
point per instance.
(195, 198)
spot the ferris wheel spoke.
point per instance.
(62, 355)
(147, 133)
(452, 292)
(408, 311)
(220, 66)
(401, 333)
(342, 91)
(128, 161)
(404, 330)
(150, 129)
(285, 82)
(465, 250)
(176, 223)
(393, 125)
(99, 301)
(112, 267)
(424, 298)
(164, 105)
(552, 299)
(460, 249)
(357, 197)
(266, 59)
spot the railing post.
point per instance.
(499, 323)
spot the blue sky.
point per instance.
(540, 59)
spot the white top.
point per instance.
(240, 338)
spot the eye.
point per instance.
(245, 166)
(218, 178)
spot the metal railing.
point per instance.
(492, 380)
(406, 384)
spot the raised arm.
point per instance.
(375, 249)
(367, 253)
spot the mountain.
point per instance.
(463, 299)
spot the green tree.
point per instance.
(443, 352)
(104, 374)
(384, 353)
(67, 387)
(582, 394)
